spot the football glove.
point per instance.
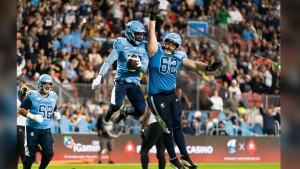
(57, 115)
(213, 66)
(96, 81)
(35, 117)
(154, 11)
(139, 63)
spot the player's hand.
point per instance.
(143, 134)
(57, 115)
(154, 10)
(139, 63)
(96, 81)
(38, 118)
(213, 66)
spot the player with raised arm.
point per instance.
(164, 62)
(127, 81)
(39, 107)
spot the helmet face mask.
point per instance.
(45, 83)
(134, 32)
(171, 43)
(169, 47)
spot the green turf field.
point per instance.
(154, 166)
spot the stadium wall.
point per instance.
(83, 148)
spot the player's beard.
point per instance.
(167, 50)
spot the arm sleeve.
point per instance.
(114, 55)
(26, 103)
(262, 112)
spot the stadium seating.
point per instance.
(204, 116)
(245, 129)
(65, 125)
(84, 126)
(222, 117)
(94, 124)
(54, 127)
(229, 129)
(257, 129)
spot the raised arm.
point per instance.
(196, 66)
(152, 41)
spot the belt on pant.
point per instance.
(163, 93)
(122, 82)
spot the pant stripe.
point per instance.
(158, 118)
(113, 97)
(25, 142)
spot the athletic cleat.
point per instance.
(176, 164)
(108, 115)
(121, 116)
(186, 161)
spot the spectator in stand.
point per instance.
(269, 119)
(235, 18)
(248, 34)
(235, 44)
(234, 88)
(186, 129)
(220, 130)
(223, 15)
(205, 103)
(67, 40)
(246, 86)
(217, 101)
(233, 102)
(79, 114)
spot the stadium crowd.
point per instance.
(55, 37)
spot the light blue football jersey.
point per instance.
(43, 106)
(125, 49)
(163, 70)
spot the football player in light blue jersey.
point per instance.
(126, 83)
(164, 62)
(39, 107)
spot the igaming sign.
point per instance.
(78, 147)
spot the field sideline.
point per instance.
(154, 166)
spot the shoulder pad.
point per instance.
(31, 93)
(181, 55)
(119, 42)
(53, 94)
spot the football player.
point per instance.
(21, 120)
(39, 107)
(164, 62)
(126, 83)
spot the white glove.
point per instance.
(57, 115)
(96, 81)
(38, 118)
(139, 63)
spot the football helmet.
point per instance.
(133, 27)
(44, 78)
(22, 92)
(174, 38)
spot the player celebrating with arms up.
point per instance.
(127, 82)
(164, 62)
(42, 107)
